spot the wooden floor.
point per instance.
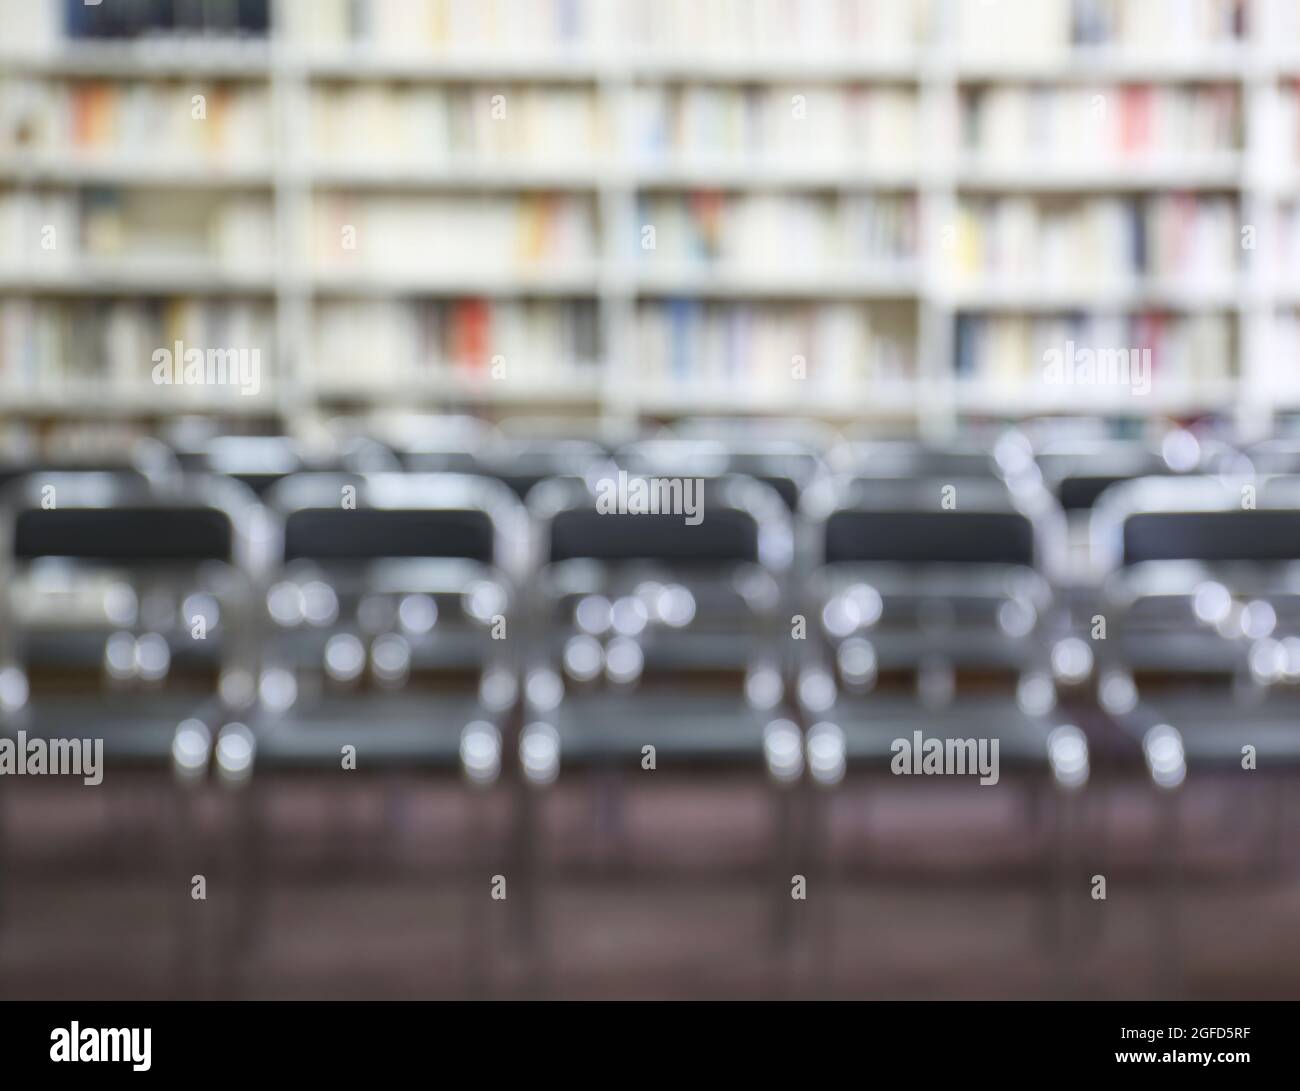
(626, 891)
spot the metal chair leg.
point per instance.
(783, 929)
(185, 861)
(1167, 897)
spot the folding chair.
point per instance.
(386, 649)
(127, 619)
(926, 619)
(1203, 601)
(658, 644)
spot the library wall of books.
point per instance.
(868, 210)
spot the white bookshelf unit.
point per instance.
(875, 210)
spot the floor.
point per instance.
(615, 889)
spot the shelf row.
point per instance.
(558, 349)
(903, 402)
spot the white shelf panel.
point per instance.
(117, 170)
(363, 63)
(741, 283)
(1219, 172)
(1037, 297)
(892, 400)
(768, 173)
(583, 387)
(1028, 398)
(587, 65)
(698, 66)
(86, 276)
(98, 398)
(587, 176)
(463, 282)
(453, 176)
(161, 58)
(1084, 64)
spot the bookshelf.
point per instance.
(882, 210)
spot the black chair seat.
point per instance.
(700, 728)
(137, 728)
(1215, 727)
(400, 729)
(904, 649)
(1188, 650)
(871, 725)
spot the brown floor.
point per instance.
(667, 890)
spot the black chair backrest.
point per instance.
(930, 537)
(122, 518)
(725, 535)
(1231, 535)
(133, 536)
(355, 518)
(884, 523)
(335, 534)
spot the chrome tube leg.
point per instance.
(249, 871)
(6, 876)
(820, 841)
(782, 930)
(475, 880)
(1046, 822)
(184, 862)
(1068, 889)
(530, 941)
(1167, 898)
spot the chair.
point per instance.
(1200, 669)
(928, 619)
(387, 646)
(657, 639)
(126, 617)
(1203, 601)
